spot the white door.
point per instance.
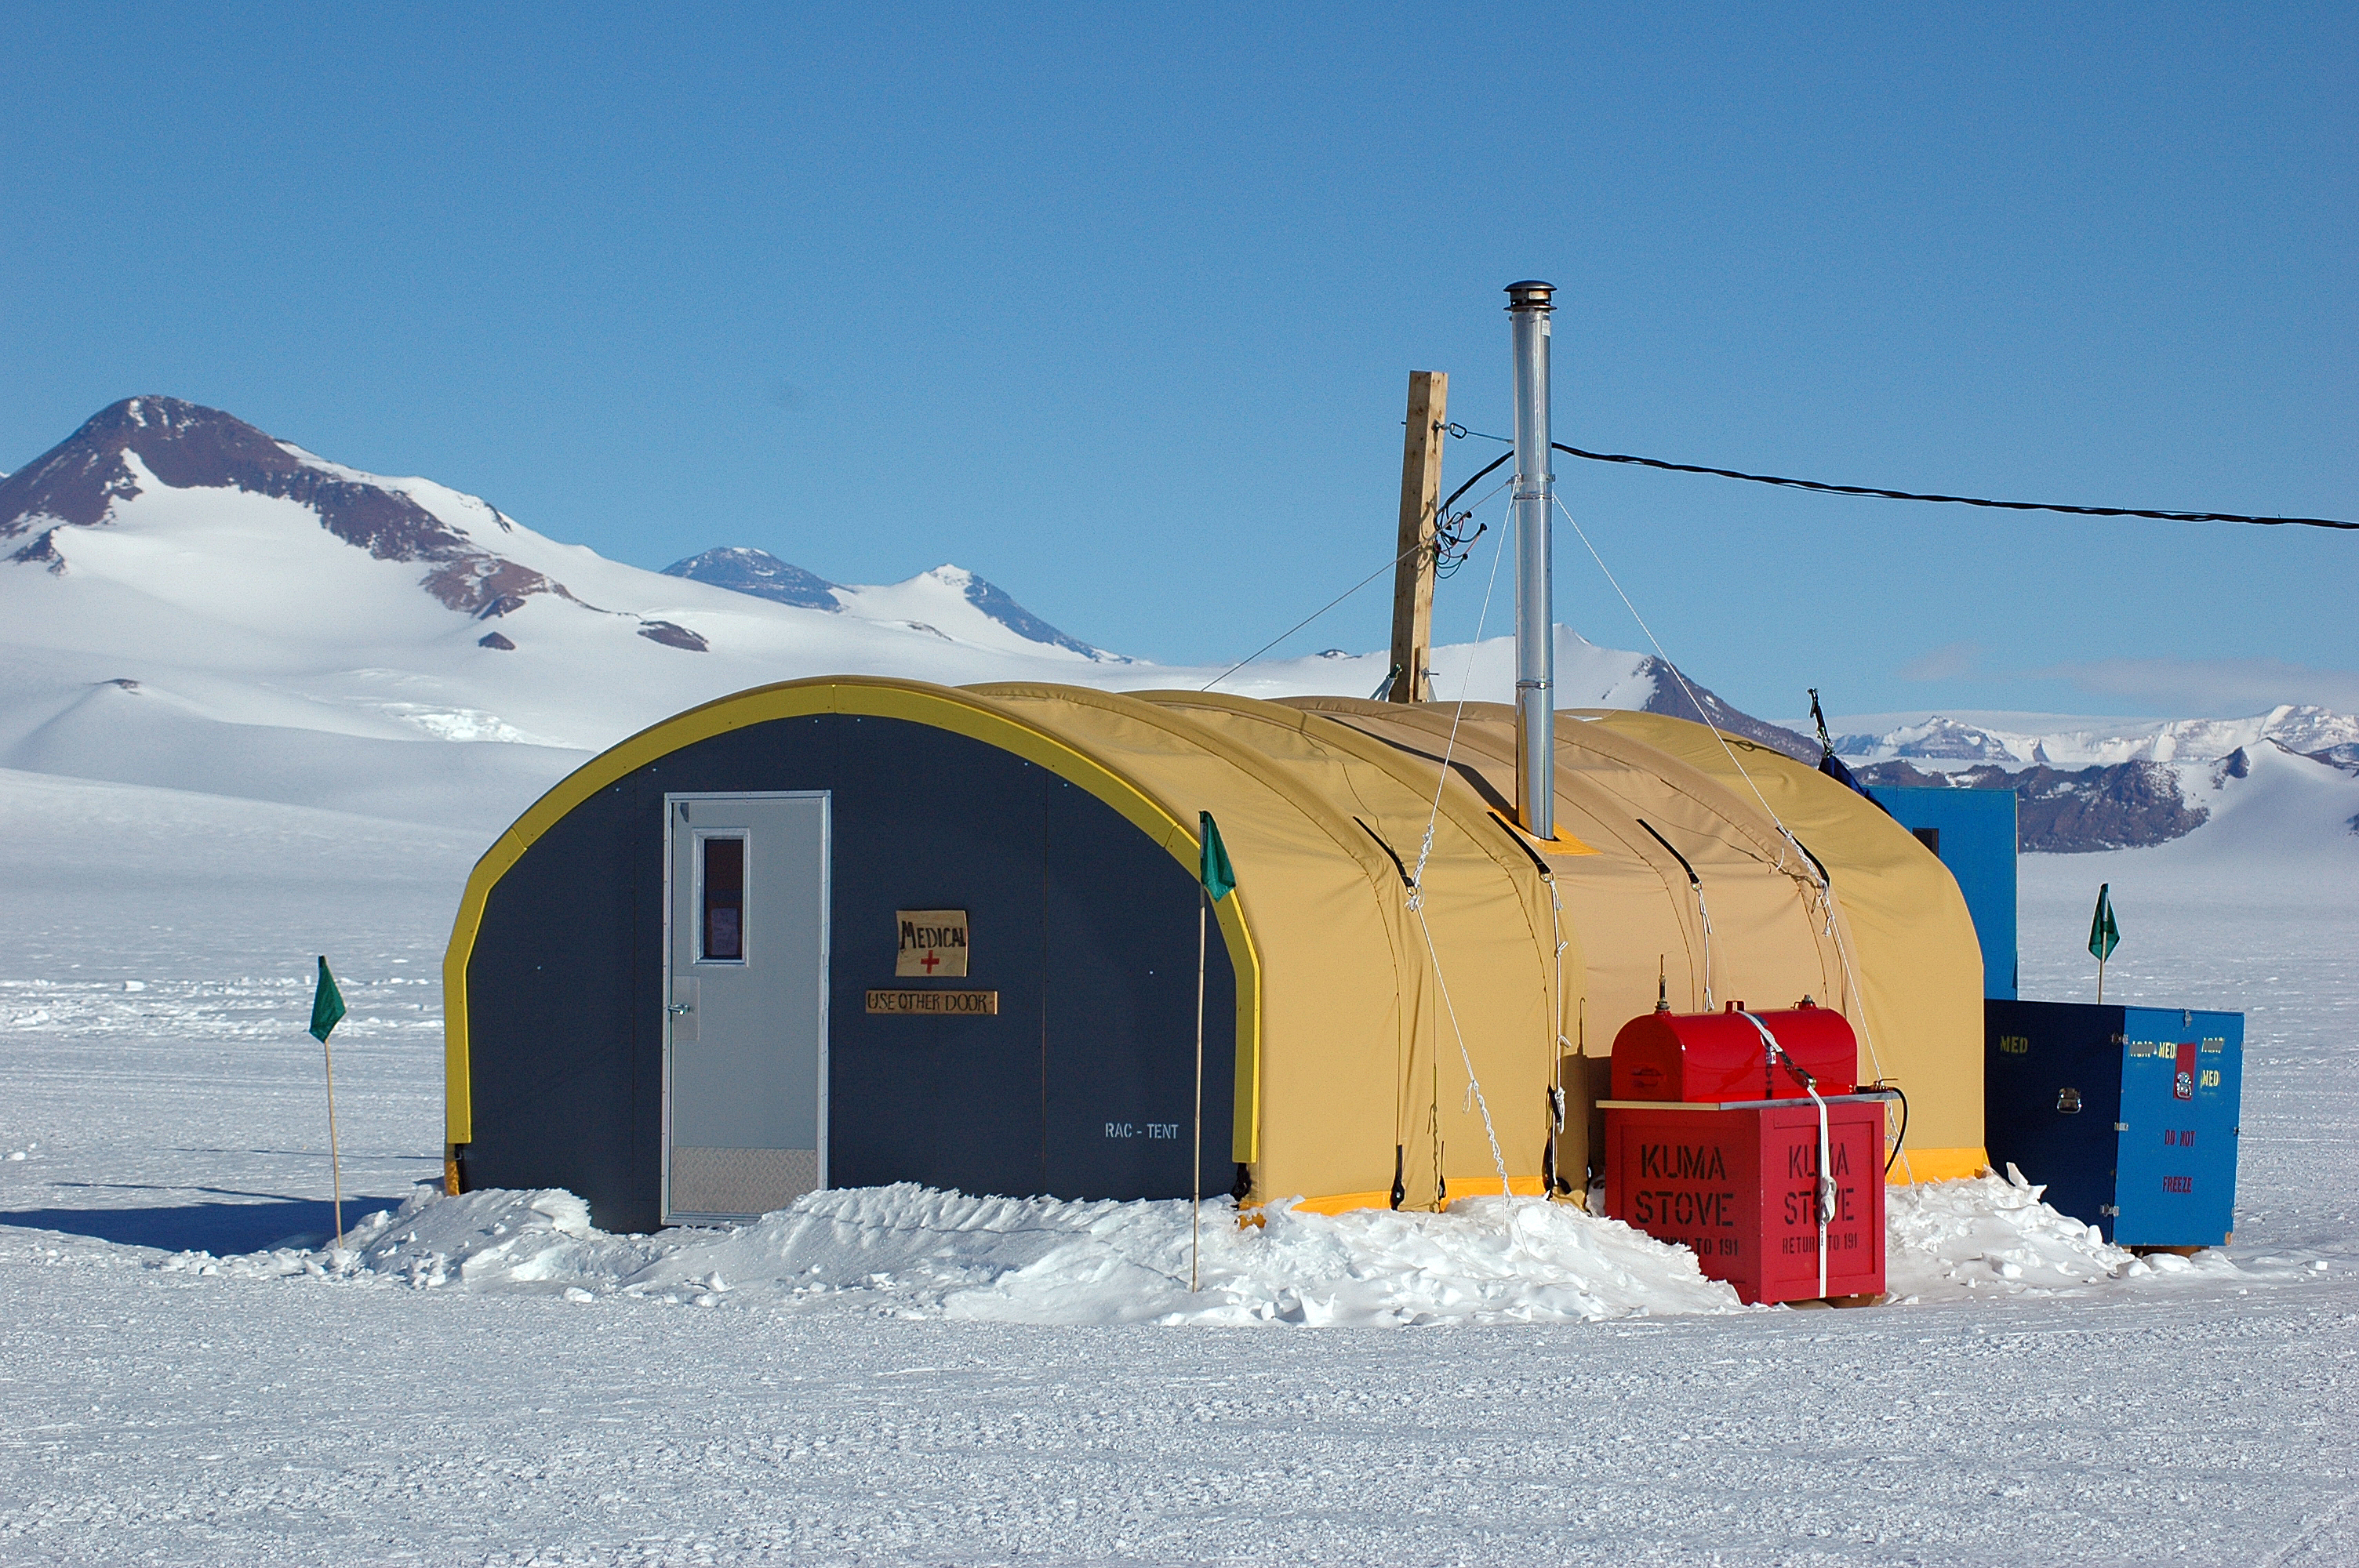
(746, 995)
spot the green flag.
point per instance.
(1215, 871)
(2103, 937)
(327, 1004)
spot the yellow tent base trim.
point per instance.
(1341, 1203)
(1936, 1165)
(1922, 1165)
(1460, 1187)
(1485, 1187)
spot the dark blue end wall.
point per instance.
(1085, 928)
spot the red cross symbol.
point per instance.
(928, 961)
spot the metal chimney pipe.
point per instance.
(1529, 309)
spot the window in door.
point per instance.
(722, 937)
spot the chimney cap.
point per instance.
(1530, 294)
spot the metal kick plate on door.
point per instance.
(682, 1011)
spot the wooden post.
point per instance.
(1429, 413)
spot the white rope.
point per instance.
(1457, 716)
(1818, 877)
(1474, 1084)
(1331, 604)
(1687, 691)
(1824, 1197)
(1704, 918)
(1867, 1038)
(1425, 853)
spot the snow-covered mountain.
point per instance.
(2066, 742)
(2095, 784)
(186, 601)
(760, 573)
(2269, 802)
(985, 614)
(2141, 803)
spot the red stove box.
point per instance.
(1739, 1189)
(1711, 1057)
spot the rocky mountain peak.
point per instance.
(1687, 699)
(128, 446)
(747, 570)
(1936, 738)
(995, 602)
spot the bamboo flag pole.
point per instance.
(327, 1011)
(2104, 934)
(1214, 878)
(1196, 1186)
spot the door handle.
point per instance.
(679, 1010)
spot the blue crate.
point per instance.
(2127, 1115)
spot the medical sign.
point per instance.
(933, 943)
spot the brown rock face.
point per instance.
(672, 636)
(43, 551)
(187, 447)
(1708, 708)
(2121, 806)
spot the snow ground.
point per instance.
(561, 1397)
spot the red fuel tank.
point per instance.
(1714, 1057)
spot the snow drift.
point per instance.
(912, 1252)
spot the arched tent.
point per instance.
(605, 1033)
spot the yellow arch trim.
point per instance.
(943, 708)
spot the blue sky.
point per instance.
(1116, 306)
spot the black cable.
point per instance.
(1886, 1086)
(1914, 495)
(1957, 500)
(1443, 510)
